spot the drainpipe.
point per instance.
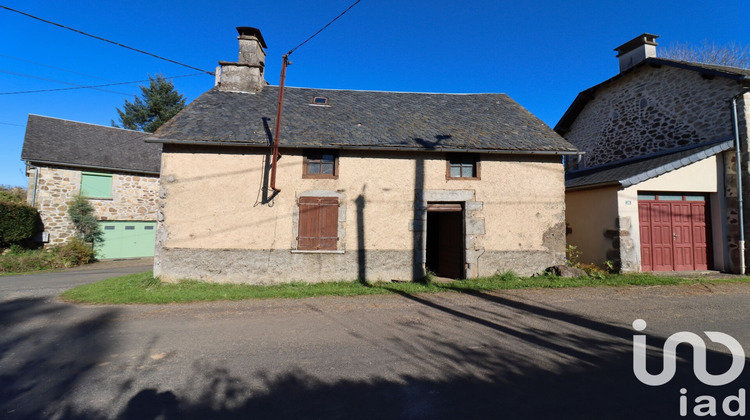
(739, 182)
(36, 181)
(277, 127)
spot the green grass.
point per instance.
(144, 288)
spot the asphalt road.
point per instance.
(522, 354)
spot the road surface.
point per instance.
(563, 353)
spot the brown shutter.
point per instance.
(318, 223)
(308, 224)
(329, 223)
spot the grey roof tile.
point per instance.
(363, 119)
(634, 171)
(71, 143)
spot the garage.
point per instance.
(673, 232)
(131, 239)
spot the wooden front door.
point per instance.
(673, 232)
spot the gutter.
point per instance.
(375, 148)
(36, 182)
(593, 186)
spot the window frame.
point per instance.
(316, 243)
(317, 154)
(85, 174)
(451, 159)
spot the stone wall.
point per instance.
(656, 109)
(134, 197)
(215, 224)
(651, 110)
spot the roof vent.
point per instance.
(320, 101)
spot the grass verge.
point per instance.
(144, 288)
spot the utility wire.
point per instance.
(323, 28)
(54, 67)
(46, 79)
(107, 40)
(91, 87)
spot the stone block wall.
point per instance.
(652, 110)
(656, 109)
(134, 197)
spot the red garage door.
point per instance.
(674, 232)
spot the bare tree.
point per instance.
(732, 54)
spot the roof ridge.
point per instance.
(86, 123)
(711, 66)
(393, 91)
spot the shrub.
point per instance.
(82, 215)
(572, 259)
(75, 252)
(18, 222)
(572, 256)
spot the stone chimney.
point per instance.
(246, 75)
(636, 50)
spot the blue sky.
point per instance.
(541, 53)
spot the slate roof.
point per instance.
(633, 171)
(364, 119)
(742, 76)
(55, 141)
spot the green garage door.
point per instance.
(127, 239)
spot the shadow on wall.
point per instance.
(419, 217)
(361, 249)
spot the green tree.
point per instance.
(82, 215)
(12, 194)
(158, 103)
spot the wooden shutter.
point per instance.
(318, 223)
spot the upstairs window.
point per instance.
(320, 164)
(318, 224)
(96, 185)
(463, 166)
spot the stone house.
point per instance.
(372, 185)
(657, 187)
(115, 169)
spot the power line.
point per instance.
(56, 68)
(15, 125)
(94, 86)
(107, 40)
(323, 28)
(46, 79)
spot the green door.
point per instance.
(126, 240)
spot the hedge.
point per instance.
(18, 222)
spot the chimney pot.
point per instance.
(636, 50)
(246, 75)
